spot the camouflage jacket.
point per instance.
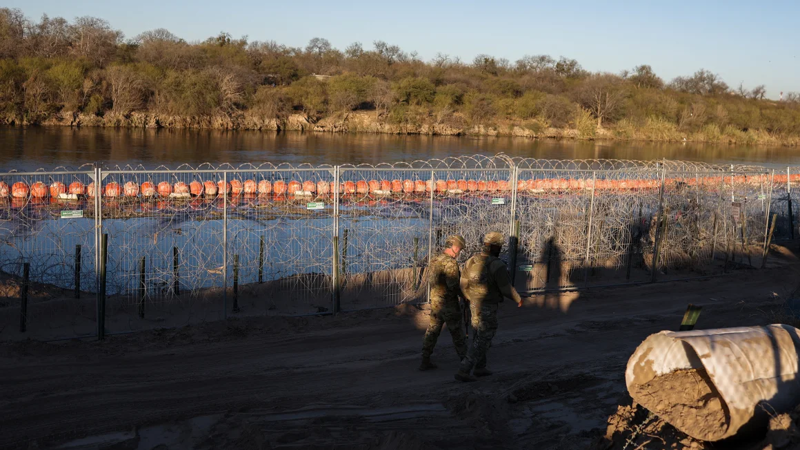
(485, 280)
(445, 279)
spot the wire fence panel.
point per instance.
(384, 231)
(165, 251)
(280, 241)
(58, 248)
(194, 244)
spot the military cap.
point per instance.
(455, 239)
(493, 238)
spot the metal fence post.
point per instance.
(513, 219)
(769, 205)
(589, 230)
(335, 294)
(657, 242)
(101, 305)
(224, 194)
(98, 232)
(430, 233)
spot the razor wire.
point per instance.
(197, 243)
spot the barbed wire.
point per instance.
(290, 235)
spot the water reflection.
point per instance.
(34, 147)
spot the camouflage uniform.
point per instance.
(444, 284)
(485, 283)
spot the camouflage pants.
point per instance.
(442, 314)
(484, 322)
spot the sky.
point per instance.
(751, 42)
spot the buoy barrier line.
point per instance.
(294, 187)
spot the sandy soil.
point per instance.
(351, 381)
(688, 400)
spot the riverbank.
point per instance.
(374, 122)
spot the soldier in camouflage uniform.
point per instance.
(485, 282)
(444, 280)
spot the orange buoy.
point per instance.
(294, 187)
(452, 185)
(386, 185)
(362, 187)
(462, 185)
(279, 187)
(492, 186)
(472, 185)
(482, 185)
(4, 189)
(210, 188)
(57, 188)
(503, 185)
(250, 187)
(130, 189)
(309, 186)
(90, 189)
(223, 188)
(374, 185)
(408, 186)
(181, 188)
(441, 186)
(264, 187)
(236, 187)
(196, 188)
(19, 190)
(38, 190)
(323, 187)
(419, 186)
(522, 185)
(398, 186)
(111, 190)
(148, 189)
(77, 188)
(164, 189)
(349, 187)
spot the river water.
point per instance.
(47, 147)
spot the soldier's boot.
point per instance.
(464, 376)
(427, 364)
(482, 372)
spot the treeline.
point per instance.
(56, 68)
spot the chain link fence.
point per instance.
(120, 249)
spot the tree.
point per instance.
(354, 50)
(568, 68)
(536, 63)
(758, 92)
(127, 89)
(318, 46)
(12, 32)
(486, 64)
(50, 38)
(643, 77)
(389, 53)
(415, 91)
(349, 91)
(703, 82)
(93, 39)
(602, 95)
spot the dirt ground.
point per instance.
(351, 381)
